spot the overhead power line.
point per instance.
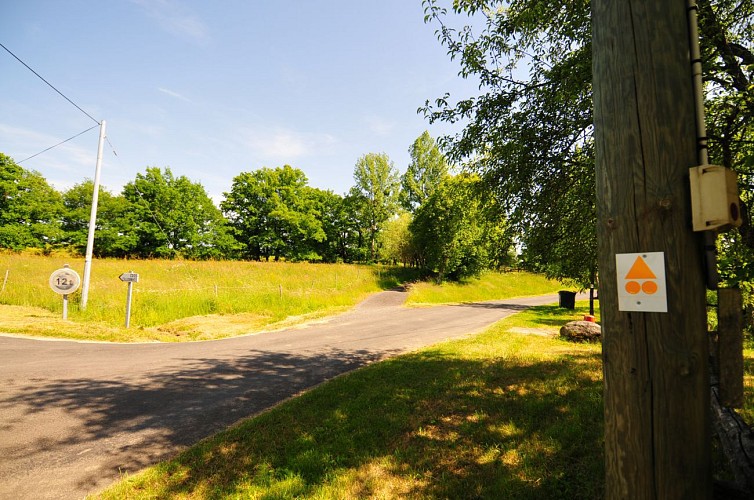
(51, 85)
(58, 144)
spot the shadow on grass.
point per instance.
(493, 305)
(558, 316)
(390, 277)
(424, 425)
(428, 424)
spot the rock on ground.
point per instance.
(581, 331)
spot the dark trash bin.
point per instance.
(567, 299)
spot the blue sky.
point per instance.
(212, 89)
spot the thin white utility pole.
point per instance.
(92, 219)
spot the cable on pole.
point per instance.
(60, 143)
(48, 83)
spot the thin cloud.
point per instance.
(175, 18)
(67, 157)
(379, 126)
(283, 145)
(62, 166)
(174, 94)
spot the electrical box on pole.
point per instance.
(714, 198)
(656, 375)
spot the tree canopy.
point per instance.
(529, 131)
(30, 209)
(173, 215)
(451, 230)
(274, 214)
(115, 218)
(455, 234)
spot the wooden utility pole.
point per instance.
(657, 407)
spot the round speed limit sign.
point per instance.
(64, 281)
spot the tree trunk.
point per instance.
(657, 422)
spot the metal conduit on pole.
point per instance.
(710, 237)
(92, 220)
(696, 71)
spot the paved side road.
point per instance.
(75, 416)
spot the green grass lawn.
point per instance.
(490, 286)
(509, 413)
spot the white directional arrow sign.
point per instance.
(129, 277)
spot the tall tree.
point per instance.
(356, 225)
(114, 237)
(175, 216)
(453, 233)
(30, 209)
(340, 226)
(274, 214)
(527, 132)
(377, 185)
(727, 33)
(426, 171)
(396, 242)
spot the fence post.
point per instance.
(730, 341)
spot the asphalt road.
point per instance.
(74, 416)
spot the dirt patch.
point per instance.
(214, 326)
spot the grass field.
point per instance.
(188, 300)
(509, 413)
(490, 286)
(180, 300)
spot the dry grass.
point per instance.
(181, 300)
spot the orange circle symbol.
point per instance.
(633, 287)
(649, 287)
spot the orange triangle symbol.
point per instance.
(640, 271)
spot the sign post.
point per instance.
(130, 278)
(65, 281)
